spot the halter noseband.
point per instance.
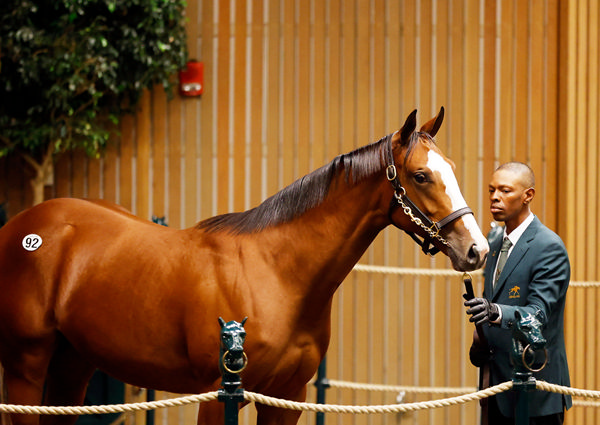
(411, 210)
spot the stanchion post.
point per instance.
(231, 396)
(523, 384)
(526, 339)
(232, 360)
(150, 396)
(322, 383)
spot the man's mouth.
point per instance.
(495, 209)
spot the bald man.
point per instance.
(532, 278)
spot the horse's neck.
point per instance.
(326, 242)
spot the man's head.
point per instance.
(511, 190)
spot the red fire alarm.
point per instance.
(191, 79)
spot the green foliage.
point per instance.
(68, 67)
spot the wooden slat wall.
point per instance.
(579, 185)
(289, 84)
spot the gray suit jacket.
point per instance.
(534, 280)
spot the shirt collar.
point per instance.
(519, 230)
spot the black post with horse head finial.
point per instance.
(527, 339)
(232, 361)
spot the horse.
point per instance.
(86, 285)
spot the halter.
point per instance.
(411, 210)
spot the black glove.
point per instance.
(482, 311)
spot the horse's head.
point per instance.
(233, 336)
(428, 201)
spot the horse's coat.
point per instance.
(140, 301)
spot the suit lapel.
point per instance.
(515, 256)
(491, 266)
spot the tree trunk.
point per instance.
(42, 173)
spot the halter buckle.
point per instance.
(390, 172)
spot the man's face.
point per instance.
(508, 196)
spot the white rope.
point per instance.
(411, 271)
(387, 408)
(398, 388)
(407, 271)
(583, 403)
(583, 284)
(554, 388)
(255, 397)
(109, 408)
(311, 407)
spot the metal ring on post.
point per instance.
(527, 365)
(230, 370)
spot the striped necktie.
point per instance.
(506, 244)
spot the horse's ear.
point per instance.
(221, 322)
(432, 126)
(244, 321)
(409, 126)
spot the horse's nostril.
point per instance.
(473, 253)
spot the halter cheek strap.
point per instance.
(417, 216)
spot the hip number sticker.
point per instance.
(32, 242)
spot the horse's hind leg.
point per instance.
(24, 376)
(68, 376)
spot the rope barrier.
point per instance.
(444, 273)
(109, 408)
(398, 388)
(311, 407)
(553, 388)
(387, 408)
(411, 271)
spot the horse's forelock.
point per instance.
(414, 139)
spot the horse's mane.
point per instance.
(306, 192)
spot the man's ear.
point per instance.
(529, 194)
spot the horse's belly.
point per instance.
(137, 331)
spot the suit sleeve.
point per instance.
(549, 278)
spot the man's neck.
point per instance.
(516, 222)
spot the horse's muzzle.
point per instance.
(476, 255)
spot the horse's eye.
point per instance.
(420, 178)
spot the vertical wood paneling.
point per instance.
(238, 138)
(159, 154)
(207, 110)
(142, 157)
(255, 117)
(126, 187)
(290, 84)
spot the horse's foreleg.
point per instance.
(211, 413)
(68, 376)
(268, 415)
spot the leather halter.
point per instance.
(417, 216)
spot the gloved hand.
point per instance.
(482, 310)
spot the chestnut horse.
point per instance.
(86, 285)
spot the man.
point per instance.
(533, 279)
